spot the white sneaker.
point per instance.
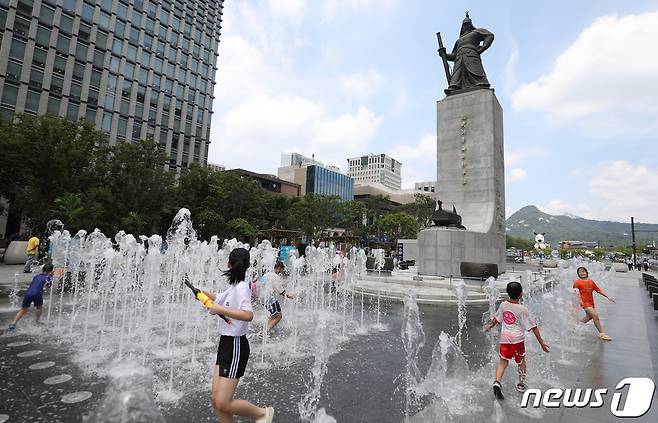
(269, 415)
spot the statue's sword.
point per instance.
(442, 53)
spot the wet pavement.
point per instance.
(363, 382)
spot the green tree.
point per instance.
(519, 243)
(241, 229)
(45, 157)
(398, 226)
(70, 209)
(350, 216)
(422, 209)
(138, 183)
(208, 223)
(133, 223)
(314, 214)
(377, 206)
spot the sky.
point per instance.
(342, 78)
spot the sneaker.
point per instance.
(604, 337)
(520, 387)
(269, 415)
(498, 390)
(12, 326)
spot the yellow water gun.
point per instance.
(204, 299)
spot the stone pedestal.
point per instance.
(470, 176)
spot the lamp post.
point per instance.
(633, 242)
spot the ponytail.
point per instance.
(239, 261)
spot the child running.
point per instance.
(515, 320)
(276, 286)
(585, 287)
(34, 294)
(233, 350)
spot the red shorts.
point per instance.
(515, 351)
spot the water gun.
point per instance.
(205, 300)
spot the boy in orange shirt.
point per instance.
(586, 287)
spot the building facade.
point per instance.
(324, 181)
(426, 186)
(136, 69)
(379, 168)
(216, 167)
(272, 184)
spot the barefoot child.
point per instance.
(585, 287)
(233, 350)
(515, 320)
(276, 287)
(34, 294)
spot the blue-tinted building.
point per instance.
(323, 181)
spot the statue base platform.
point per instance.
(443, 250)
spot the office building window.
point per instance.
(9, 95)
(32, 101)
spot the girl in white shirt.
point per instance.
(233, 350)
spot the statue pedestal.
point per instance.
(470, 176)
(442, 250)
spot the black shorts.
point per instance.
(274, 308)
(232, 356)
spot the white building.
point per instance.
(378, 168)
(216, 167)
(425, 186)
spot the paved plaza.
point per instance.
(363, 381)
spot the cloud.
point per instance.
(292, 10)
(418, 160)
(522, 155)
(270, 98)
(361, 84)
(517, 174)
(604, 82)
(332, 8)
(556, 207)
(424, 151)
(508, 212)
(270, 116)
(624, 190)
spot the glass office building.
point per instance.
(137, 69)
(323, 181)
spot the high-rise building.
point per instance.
(379, 168)
(315, 177)
(137, 69)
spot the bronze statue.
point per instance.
(467, 73)
(445, 218)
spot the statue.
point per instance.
(445, 218)
(467, 73)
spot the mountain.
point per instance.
(530, 219)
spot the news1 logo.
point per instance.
(638, 398)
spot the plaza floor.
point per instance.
(363, 381)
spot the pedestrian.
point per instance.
(34, 294)
(32, 252)
(515, 320)
(233, 350)
(274, 281)
(586, 287)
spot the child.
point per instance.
(276, 286)
(34, 294)
(585, 287)
(515, 320)
(233, 350)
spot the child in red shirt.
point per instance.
(515, 320)
(586, 287)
